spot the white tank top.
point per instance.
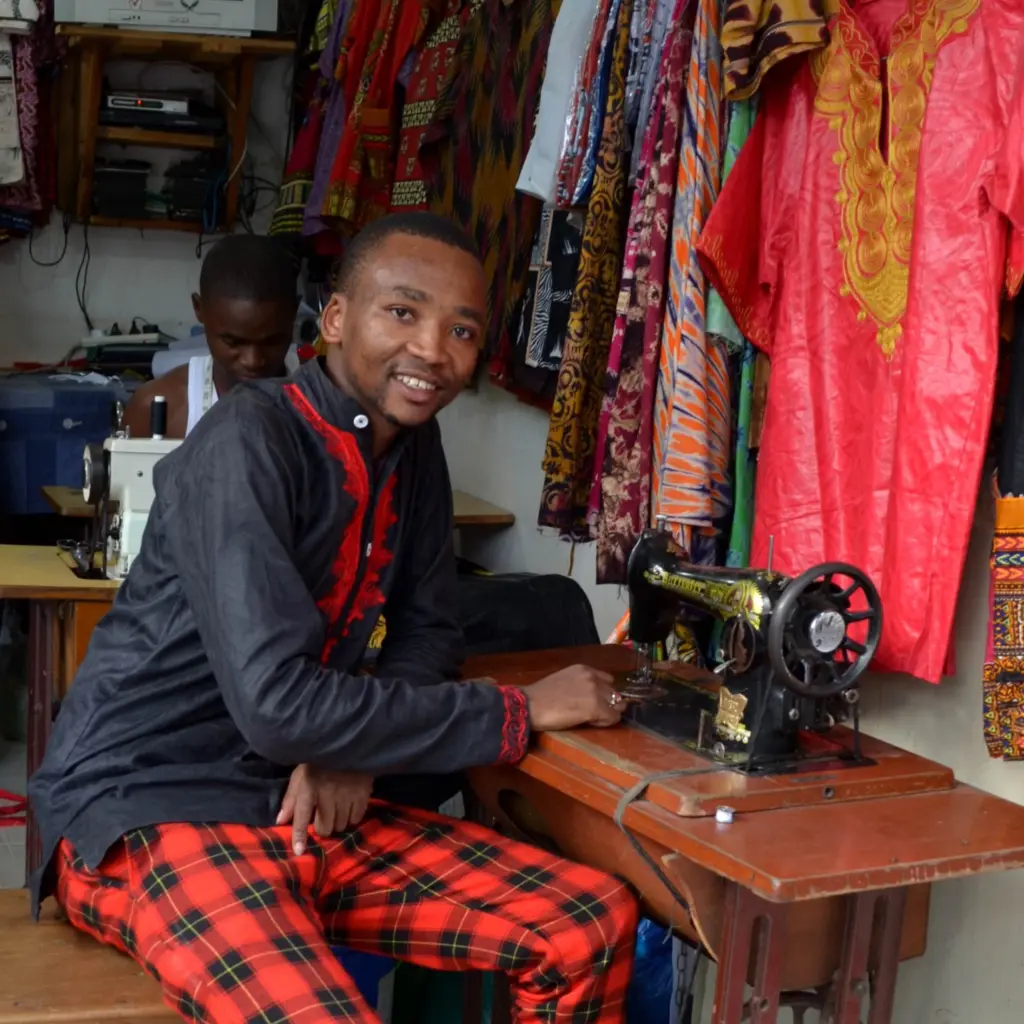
(202, 392)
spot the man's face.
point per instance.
(247, 339)
(404, 339)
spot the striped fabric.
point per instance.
(692, 405)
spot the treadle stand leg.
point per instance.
(752, 926)
(871, 952)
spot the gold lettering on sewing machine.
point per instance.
(728, 600)
(729, 718)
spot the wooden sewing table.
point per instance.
(822, 881)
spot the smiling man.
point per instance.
(205, 797)
(246, 303)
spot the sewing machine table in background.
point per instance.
(469, 510)
(830, 881)
(63, 611)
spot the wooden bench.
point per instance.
(51, 973)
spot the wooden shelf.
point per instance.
(231, 59)
(144, 224)
(124, 41)
(152, 137)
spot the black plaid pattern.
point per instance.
(192, 925)
(229, 970)
(232, 905)
(340, 1006)
(257, 895)
(295, 949)
(221, 854)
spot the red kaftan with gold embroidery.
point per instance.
(861, 242)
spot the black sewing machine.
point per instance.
(792, 651)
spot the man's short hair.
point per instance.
(418, 223)
(251, 267)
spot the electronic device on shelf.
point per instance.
(201, 17)
(154, 102)
(793, 650)
(119, 188)
(198, 118)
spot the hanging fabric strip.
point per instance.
(757, 34)
(569, 451)
(620, 495)
(574, 28)
(473, 150)
(720, 321)
(693, 417)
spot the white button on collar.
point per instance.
(361, 422)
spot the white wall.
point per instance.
(494, 446)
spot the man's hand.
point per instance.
(330, 801)
(577, 695)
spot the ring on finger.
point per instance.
(615, 699)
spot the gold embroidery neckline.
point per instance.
(877, 193)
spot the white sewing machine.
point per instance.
(119, 486)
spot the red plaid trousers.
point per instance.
(238, 929)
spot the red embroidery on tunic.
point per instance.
(341, 446)
(515, 732)
(370, 597)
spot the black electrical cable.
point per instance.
(82, 277)
(66, 227)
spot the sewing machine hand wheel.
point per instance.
(809, 645)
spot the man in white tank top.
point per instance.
(246, 303)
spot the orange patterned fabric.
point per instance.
(693, 414)
(861, 242)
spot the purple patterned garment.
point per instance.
(333, 122)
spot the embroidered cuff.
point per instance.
(515, 729)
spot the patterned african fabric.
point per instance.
(862, 245)
(648, 80)
(574, 28)
(428, 78)
(569, 449)
(330, 100)
(362, 174)
(620, 494)
(757, 34)
(473, 150)
(720, 321)
(583, 108)
(1003, 673)
(693, 412)
(590, 147)
(547, 299)
(312, 91)
(641, 39)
